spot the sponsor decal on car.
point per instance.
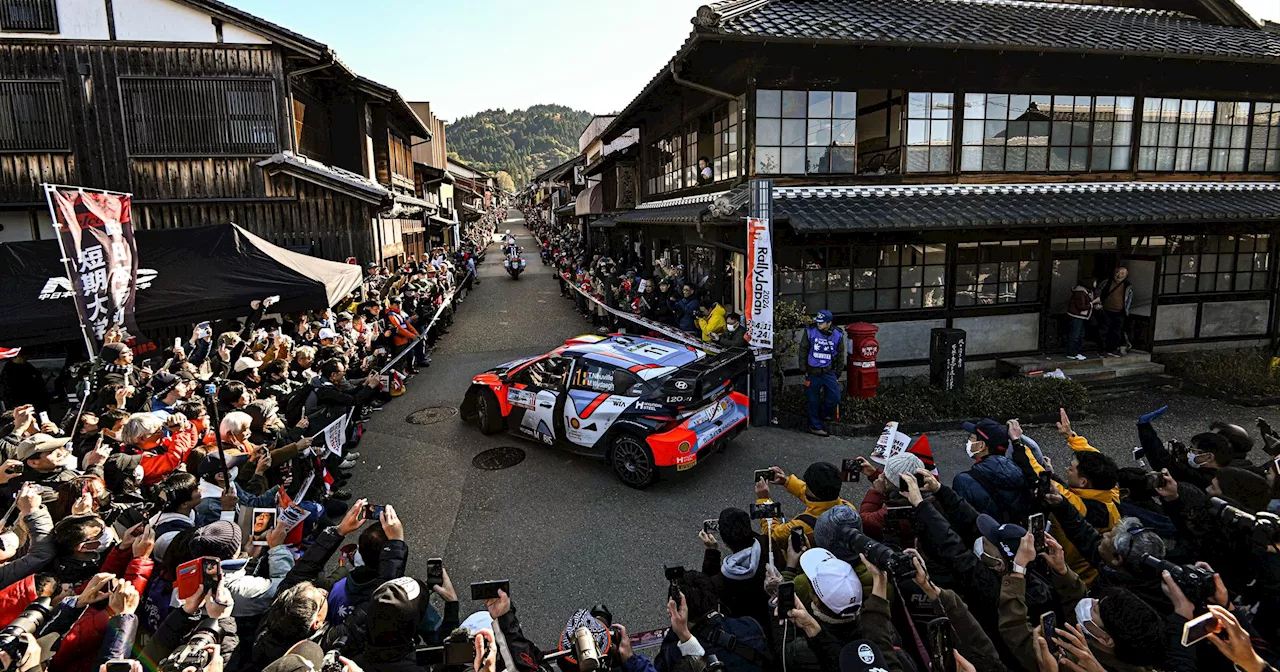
(574, 423)
(521, 398)
(679, 399)
(686, 462)
(648, 406)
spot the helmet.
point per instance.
(508, 231)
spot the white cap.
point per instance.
(833, 580)
(245, 363)
(327, 333)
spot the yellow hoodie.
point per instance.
(1083, 499)
(712, 324)
(781, 530)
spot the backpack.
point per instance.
(296, 404)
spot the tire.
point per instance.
(487, 416)
(632, 461)
(467, 411)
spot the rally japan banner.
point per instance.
(760, 275)
(95, 231)
(664, 329)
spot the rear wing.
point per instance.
(705, 378)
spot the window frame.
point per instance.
(847, 260)
(273, 108)
(58, 124)
(1173, 258)
(927, 121)
(1270, 132)
(1080, 144)
(1037, 258)
(51, 14)
(808, 119)
(726, 156)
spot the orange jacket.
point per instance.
(404, 331)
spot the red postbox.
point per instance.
(863, 377)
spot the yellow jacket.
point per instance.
(781, 531)
(712, 324)
(1083, 499)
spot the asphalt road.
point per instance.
(562, 528)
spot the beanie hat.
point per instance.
(823, 480)
(832, 521)
(735, 529)
(112, 351)
(902, 463)
(261, 409)
(861, 656)
(922, 450)
(395, 610)
(163, 382)
(1247, 489)
(117, 468)
(220, 539)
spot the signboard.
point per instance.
(760, 299)
(95, 232)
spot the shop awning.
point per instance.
(683, 210)
(604, 223)
(965, 206)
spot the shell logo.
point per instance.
(684, 446)
(573, 422)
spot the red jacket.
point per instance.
(79, 649)
(404, 332)
(15, 597)
(173, 452)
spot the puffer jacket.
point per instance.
(712, 324)
(995, 486)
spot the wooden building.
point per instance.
(207, 114)
(435, 184)
(964, 163)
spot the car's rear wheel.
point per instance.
(632, 461)
(488, 415)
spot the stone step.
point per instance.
(1049, 362)
(1099, 372)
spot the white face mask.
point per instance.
(1084, 614)
(1191, 460)
(731, 327)
(233, 472)
(968, 448)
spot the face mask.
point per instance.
(70, 462)
(1191, 461)
(968, 449)
(731, 327)
(1084, 614)
(233, 472)
(977, 548)
(138, 474)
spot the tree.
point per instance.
(520, 143)
(504, 181)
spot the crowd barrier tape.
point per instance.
(664, 329)
(448, 300)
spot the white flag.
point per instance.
(335, 435)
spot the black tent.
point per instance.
(184, 276)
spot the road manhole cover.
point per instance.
(498, 458)
(431, 415)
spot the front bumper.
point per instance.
(678, 449)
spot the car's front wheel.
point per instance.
(488, 415)
(632, 461)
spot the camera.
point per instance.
(193, 653)
(1195, 582)
(1263, 528)
(897, 565)
(585, 651)
(28, 622)
(765, 510)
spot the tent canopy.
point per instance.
(185, 276)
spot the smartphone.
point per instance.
(766, 510)
(1049, 627)
(941, 651)
(44, 417)
(459, 653)
(1275, 464)
(786, 598)
(765, 475)
(374, 511)
(203, 330)
(711, 525)
(902, 481)
(1156, 479)
(1140, 456)
(1199, 627)
(177, 343)
(797, 539)
(435, 572)
(674, 574)
(488, 590)
(1036, 522)
(211, 573)
(851, 470)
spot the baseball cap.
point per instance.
(833, 580)
(246, 363)
(212, 464)
(326, 333)
(305, 656)
(39, 443)
(1006, 537)
(823, 316)
(991, 432)
(861, 656)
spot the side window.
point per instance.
(626, 383)
(593, 377)
(550, 373)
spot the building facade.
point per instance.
(206, 114)
(940, 163)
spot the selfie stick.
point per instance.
(211, 390)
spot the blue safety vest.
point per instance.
(822, 347)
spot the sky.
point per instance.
(464, 56)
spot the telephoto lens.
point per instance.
(1194, 582)
(584, 650)
(28, 622)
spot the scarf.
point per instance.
(743, 564)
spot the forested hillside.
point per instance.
(521, 142)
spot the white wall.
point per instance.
(17, 226)
(1000, 333)
(168, 21)
(77, 20)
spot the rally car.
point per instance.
(647, 406)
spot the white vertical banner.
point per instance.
(760, 297)
(335, 434)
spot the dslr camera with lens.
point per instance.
(1194, 582)
(898, 565)
(28, 622)
(193, 653)
(1263, 528)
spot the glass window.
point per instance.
(593, 376)
(800, 132)
(1176, 134)
(1067, 244)
(725, 145)
(1264, 138)
(1039, 133)
(672, 162)
(1230, 134)
(547, 373)
(1202, 264)
(929, 118)
(1006, 271)
(899, 277)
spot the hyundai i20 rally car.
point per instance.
(646, 406)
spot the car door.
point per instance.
(543, 387)
(598, 394)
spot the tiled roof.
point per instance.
(936, 207)
(685, 213)
(346, 181)
(1004, 24)
(682, 200)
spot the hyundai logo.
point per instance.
(682, 385)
